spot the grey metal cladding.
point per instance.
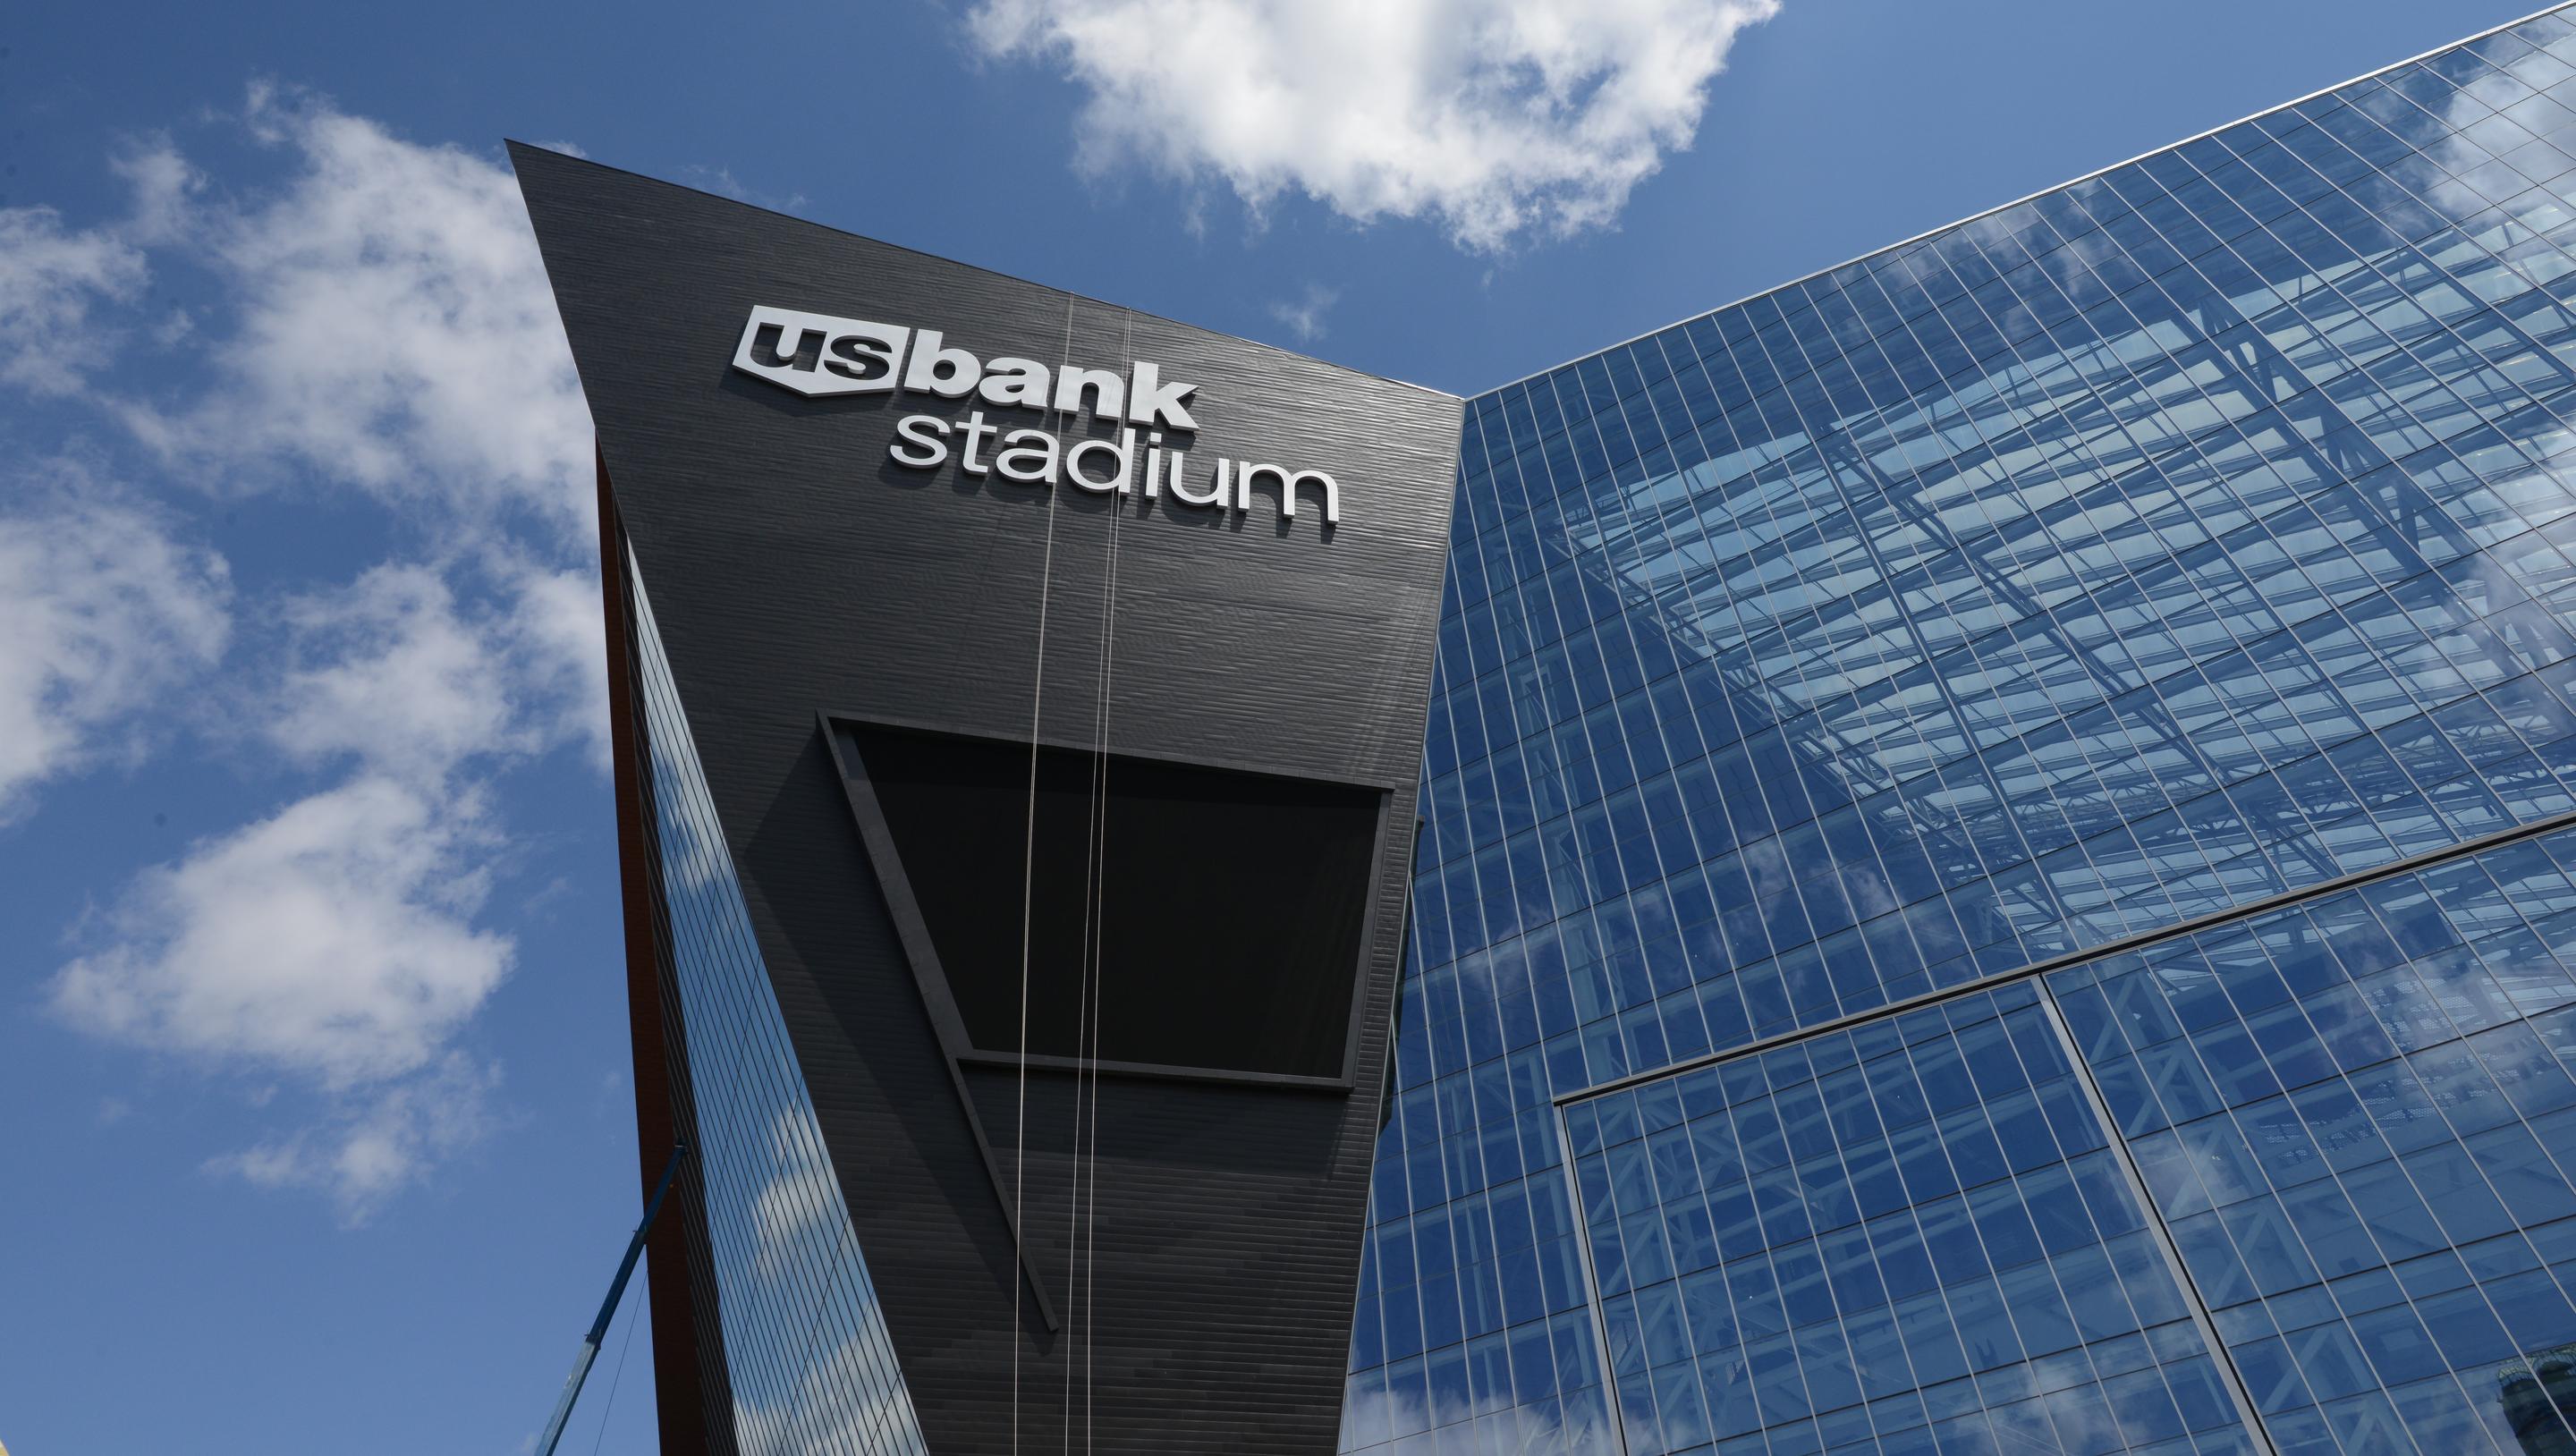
(796, 570)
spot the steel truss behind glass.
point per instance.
(2182, 541)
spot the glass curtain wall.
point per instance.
(811, 1367)
(2003, 793)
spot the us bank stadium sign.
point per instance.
(818, 354)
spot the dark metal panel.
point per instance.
(794, 570)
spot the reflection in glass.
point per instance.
(2199, 532)
(807, 1354)
(2538, 1393)
(2357, 1115)
(1912, 1235)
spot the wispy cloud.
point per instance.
(51, 279)
(388, 671)
(1498, 119)
(332, 943)
(329, 939)
(393, 333)
(102, 609)
(1304, 318)
(722, 182)
(382, 333)
(378, 1146)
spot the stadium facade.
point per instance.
(1996, 859)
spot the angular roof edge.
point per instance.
(2026, 197)
(517, 149)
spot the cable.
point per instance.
(1028, 890)
(1086, 1166)
(1085, 1013)
(634, 1314)
(1100, 968)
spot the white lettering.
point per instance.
(819, 354)
(867, 363)
(1289, 480)
(926, 433)
(1216, 493)
(1027, 455)
(975, 432)
(1154, 401)
(816, 354)
(1108, 392)
(938, 369)
(1022, 382)
(1122, 450)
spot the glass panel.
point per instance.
(807, 1354)
(1913, 1231)
(2360, 1139)
(2192, 534)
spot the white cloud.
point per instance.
(1496, 118)
(380, 1144)
(1304, 318)
(558, 642)
(165, 190)
(394, 328)
(792, 1226)
(331, 944)
(102, 610)
(387, 671)
(722, 182)
(1374, 1415)
(394, 671)
(336, 942)
(839, 1402)
(379, 326)
(2474, 159)
(50, 277)
(331, 941)
(383, 322)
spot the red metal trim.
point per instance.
(676, 1375)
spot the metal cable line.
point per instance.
(1086, 1165)
(1028, 887)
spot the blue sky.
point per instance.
(313, 1104)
